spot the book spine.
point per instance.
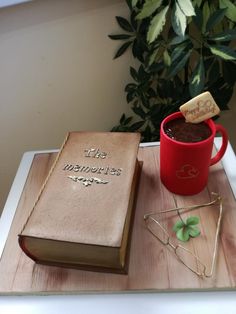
(46, 180)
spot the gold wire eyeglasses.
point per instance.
(184, 255)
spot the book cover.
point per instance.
(82, 217)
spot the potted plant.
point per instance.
(183, 48)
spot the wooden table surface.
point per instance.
(153, 267)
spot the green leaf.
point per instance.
(122, 49)
(156, 68)
(147, 133)
(193, 231)
(157, 24)
(178, 20)
(130, 87)
(129, 4)
(178, 225)
(206, 14)
(150, 6)
(198, 18)
(138, 50)
(122, 119)
(179, 51)
(219, 27)
(230, 9)
(151, 93)
(224, 36)
(215, 18)
(178, 65)
(221, 91)
(186, 7)
(134, 3)
(192, 220)
(197, 3)
(134, 74)
(133, 21)
(197, 79)
(139, 111)
(153, 56)
(166, 58)
(223, 52)
(130, 96)
(128, 120)
(145, 101)
(136, 126)
(231, 24)
(214, 72)
(119, 36)
(142, 74)
(178, 40)
(183, 234)
(124, 24)
(229, 70)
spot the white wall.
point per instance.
(57, 73)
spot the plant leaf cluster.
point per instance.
(183, 48)
(186, 229)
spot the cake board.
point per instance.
(152, 267)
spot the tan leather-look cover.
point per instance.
(86, 202)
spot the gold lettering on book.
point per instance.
(107, 170)
(88, 181)
(95, 153)
(103, 170)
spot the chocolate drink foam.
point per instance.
(182, 131)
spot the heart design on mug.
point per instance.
(187, 171)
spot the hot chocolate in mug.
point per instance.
(184, 166)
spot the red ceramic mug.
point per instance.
(184, 167)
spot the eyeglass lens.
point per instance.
(157, 230)
(190, 260)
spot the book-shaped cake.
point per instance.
(82, 217)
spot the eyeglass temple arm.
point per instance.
(216, 241)
(192, 207)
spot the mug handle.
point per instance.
(223, 147)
